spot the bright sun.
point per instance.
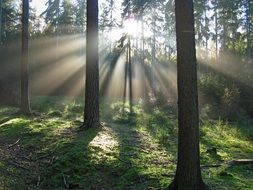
(132, 27)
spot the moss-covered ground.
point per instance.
(47, 150)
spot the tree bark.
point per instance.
(188, 175)
(142, 59)
(153, 55)
(0, 22)
(249, 30)
(25, 102)
(130, 76)
(91, 110)
(216, 31)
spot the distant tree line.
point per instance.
(227, 24)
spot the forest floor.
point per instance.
(137, 152)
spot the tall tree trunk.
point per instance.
(0, 22)
(224, 40)
(142, 59)
(125, 79)
(188, 175)
(111, 18)
(91, 110)
(249, 30)
(206, 27)
(153, 55)
(130, 76)
(25, 102)
(57, 31)
(216, 30)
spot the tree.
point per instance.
(52, 16)
(249, 27)
(0, 22)
(66, 19)
(25, 102)
(188, 175)
(9, 21)
(201, 23)
(80, 13)
(169, 27)
(215, 35)
(91, 110)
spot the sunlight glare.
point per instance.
(132, 27)
(116, 34)
(105, 140)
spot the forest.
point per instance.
(126, 95)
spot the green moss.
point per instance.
(133, 152)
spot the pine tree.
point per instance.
(25, 101)
(188, 175)
(91, 110)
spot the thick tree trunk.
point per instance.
(91, 110)
(25, 102)
(188, 175)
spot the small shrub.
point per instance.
(55, 113)
(230, 103)
(220, 97)
(121, 112)
(211, 86)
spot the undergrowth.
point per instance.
(131, 151)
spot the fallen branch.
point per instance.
(38, 182)
(65, 181)
(42, 157)
(18, 165)
(11, 145)
(230, 163)
(211, 166)
(24, 157)
(241, 162)
(4, 171)
(168, 175)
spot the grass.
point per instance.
(131, 151)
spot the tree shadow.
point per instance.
(43, 151)
(110, 64)
(140, 162)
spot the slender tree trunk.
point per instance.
(142, 59)
(130, 76)
(188, 175)
(224, 37)
(0, 22)
(206, 35)
(125, 80)
(153, 55)
(111, 17)
(25, 102)
(206, 26)
(57, 31)
(249, 30)
(216, 31)
(91, 110)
